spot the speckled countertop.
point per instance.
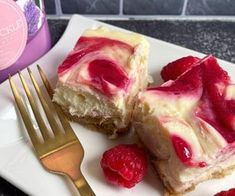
(210, 37)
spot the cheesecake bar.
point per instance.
(100, 78)
(188, 125)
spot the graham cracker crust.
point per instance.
(98, 124)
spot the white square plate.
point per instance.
(18, 163)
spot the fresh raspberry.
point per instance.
(175, 68)
(124, 165)
(230, 192)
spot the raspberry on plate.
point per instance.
(175, 68)
(230, 192)
(124, 165)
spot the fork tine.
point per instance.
(63, 119)
(28, 124)
(54, 126)
(41, 124)
(45, 81)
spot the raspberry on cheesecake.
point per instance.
(100, 78)
(189, 125)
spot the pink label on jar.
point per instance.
(13, 33)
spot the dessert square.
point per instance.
(100, 78)
(188, 125)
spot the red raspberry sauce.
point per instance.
(86, 45)
(184, 152)
(102, 71)
(182, 149)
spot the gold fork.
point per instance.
(61, 153)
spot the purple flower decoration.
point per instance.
(33, 16)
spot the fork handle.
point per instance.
(83, 187)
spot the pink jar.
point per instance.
(38, 41)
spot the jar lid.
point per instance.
(13, 33)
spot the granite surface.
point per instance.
(210, 37)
